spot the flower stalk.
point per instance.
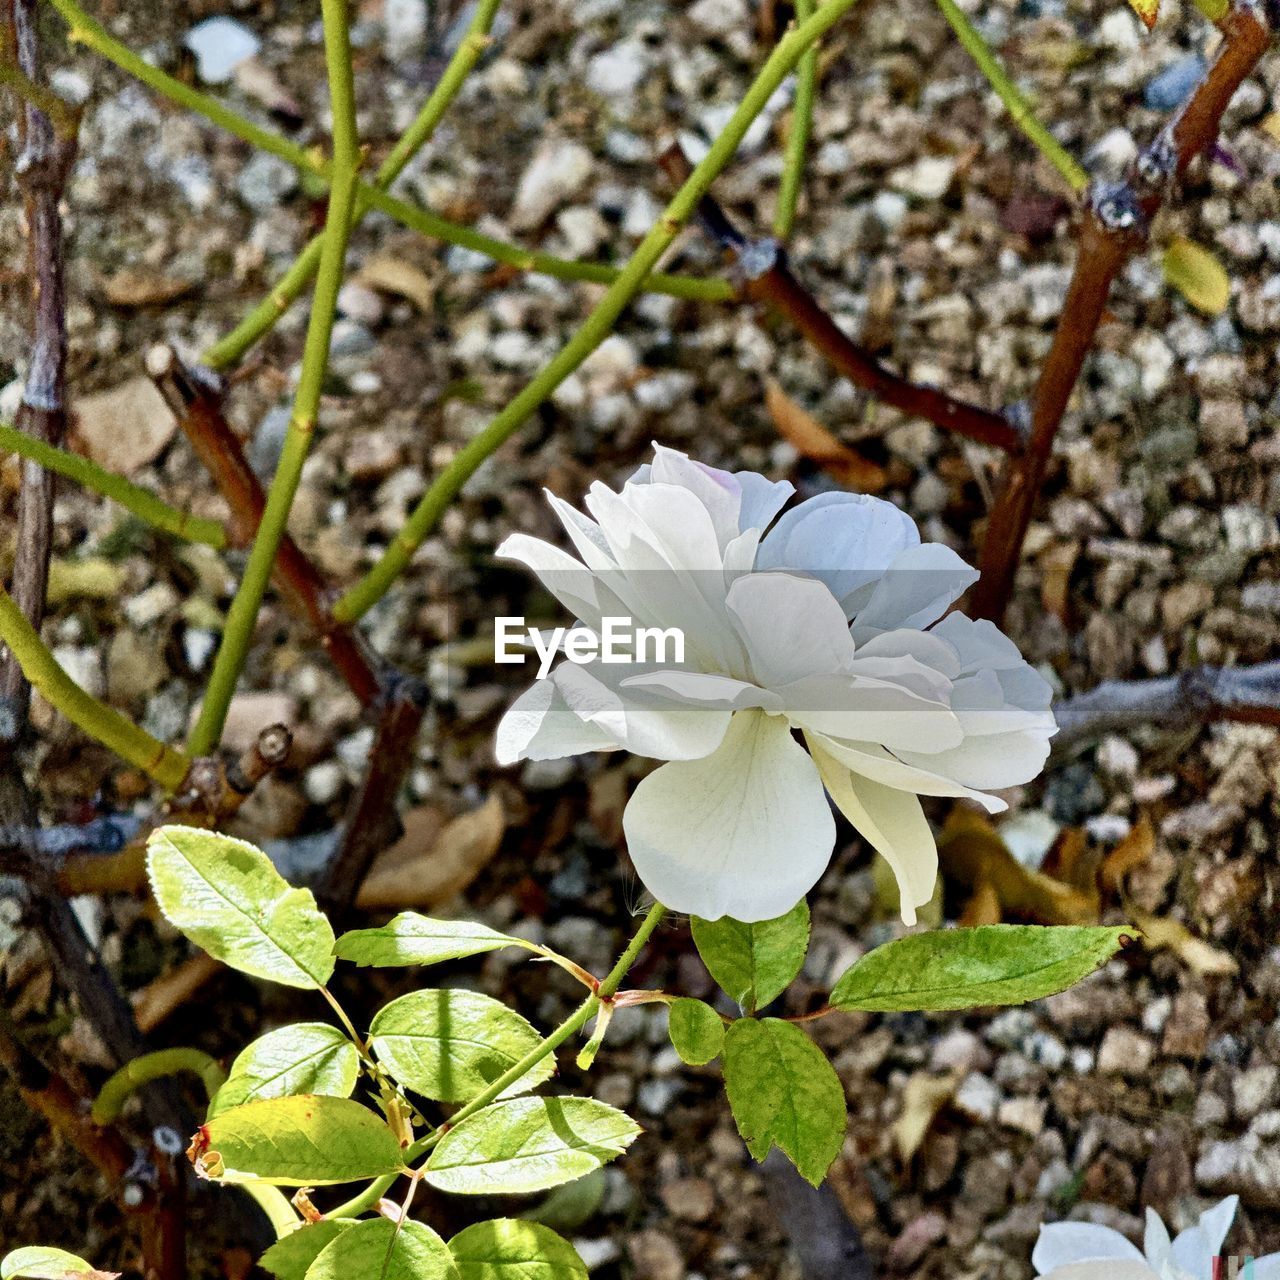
(315, 360)
(801, 128)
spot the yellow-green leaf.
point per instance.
(1147, 10)
(1198, 275)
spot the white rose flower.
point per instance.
(826, 626)
(1083, 1251)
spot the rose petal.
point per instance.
(745, 832)
(915, 590)
(540, 726)
(1063, 1243)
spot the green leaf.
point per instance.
(227, 898)
(306, 1140)
(960, 968)
(39, 1262)
(378, 1249)
(1197, 274)
(696, 1032)
(528, 1144)
(291, 1255)
(509, 1249)
(307, 1057)
(754, 963)
(415, 939)
(784, 1093)
(450, 1045)
(570, 1205)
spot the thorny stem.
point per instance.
(48, 147)
(1243, 694)
(1114, 226)
(798, 139)
(598, 325)
(1015, 101)
(198, 409)
(133, 498)
(163, 763)
(92, 34)
(566, 1030)
(766, 278)
(260, 321)
(243, 613)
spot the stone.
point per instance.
(1186, 1033)
(655, 1256)
(720, 17)
(915, 1240)
(1254, 1090)
(928, 178)
(126, 428)
(978, 1097)
(1223, 423)
(1169, 88)
(1125, 1052)
(404, 27)
(265, 181)
(618, 71)
(558, 171)
(1026, 1114)
(691, 1199)
(250, 713)
(220, 45)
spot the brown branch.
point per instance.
(764, 277)
(372, 822)
(41, 169)
(193, 394)
(1250, 695)
(1115, 225)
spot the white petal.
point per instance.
(1196, 1246)
(645, 724)
(566, 578)
(1105, 1270)
(846, 540)
(705, 689)
(745, 833)
(908, 672)
(989, 763)
(1267, 1268)
(761, 499)
(927, 647)
(916, 589)
(982, 646)
(587, 537)
(1156, 1243)
(892, 822)
(1063, 1243)
(718, 491)
(791, 627)
(860, 709)
(874, 762)
(540, 726)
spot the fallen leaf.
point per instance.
(1214, 10)
(1201, 958)
(1056, 566)
(811, 439)
(1198, 275)
(1271, 125)
(126, 428)
(143, 287)
(982, 908)
(922, 1099)
(971, 852)
(1132, 852)
(389, 274)
(254, 77)
(435, 859)
(1147, 10)
(170, 992)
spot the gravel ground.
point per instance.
(931, 229)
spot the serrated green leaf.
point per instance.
(696, 1031)
(305, 1141)
(306, 1057)
(378, 1249)
(1197, 274)
(227, 898)
(754, 963)
(40, 1262)
(291, 1255)
(572, 1204)
(449, 1045)
(511, 1249)
(961, 968)
(784, 1093)
(416, 939)
(528, 1144)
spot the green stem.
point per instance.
(598, 325)
(143, 504)
(259, 322)
(801, 128)
(92, 34)
(1019, 107)
(566, 1030)
(101, 722)
(152, 1066)
(243, 613)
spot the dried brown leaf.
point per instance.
(801, 429)
(1132, 852)
(144, 287)
(922, 1100)
(389, 274)
(1198, 955)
